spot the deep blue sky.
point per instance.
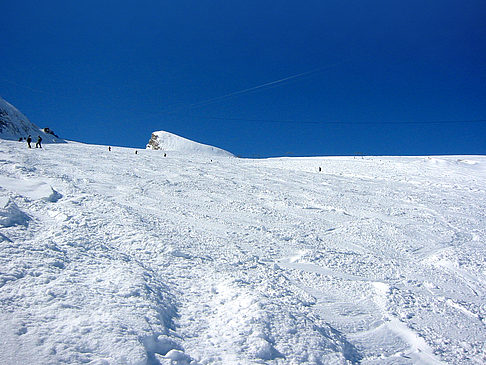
(111, 72)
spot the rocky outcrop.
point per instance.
(153, 143)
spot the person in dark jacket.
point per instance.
(38, 144)
(29, 139)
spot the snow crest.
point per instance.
(166, 141)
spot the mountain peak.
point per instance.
(15, 125)
(166, 141)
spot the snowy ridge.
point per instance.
(112, 257)
(15, 125)
(166, 141)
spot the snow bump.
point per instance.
(10, 214)
(32, 189)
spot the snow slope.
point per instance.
(123, 258)
(166, 141)
(15, 125)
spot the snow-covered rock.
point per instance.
(15, 125)
(166, 142)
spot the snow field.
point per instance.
(112, 258)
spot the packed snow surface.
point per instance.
(123, 258)
(166, 141)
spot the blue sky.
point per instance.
(376, 77)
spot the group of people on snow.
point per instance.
(29, 141)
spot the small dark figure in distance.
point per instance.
(320, 169)
(20, 139)
(165, 154)
(136, 152)
(109, 148)
(29, 139)
(38, 144)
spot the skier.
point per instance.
(38, 144)
(29, 139)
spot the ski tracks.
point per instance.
(193, 263)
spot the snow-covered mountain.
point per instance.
(112, 257)
(15, 125)
(166, 142)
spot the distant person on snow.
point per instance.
(38, 144)
(109, 148)
(28, 141)
(21, 139)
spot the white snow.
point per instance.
(166, 142)
(123, 258)
(10, 214)
(30, 188)
(15, 125)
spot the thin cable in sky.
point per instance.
(397, 122)
(271, 83)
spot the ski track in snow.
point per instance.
(117, 258)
